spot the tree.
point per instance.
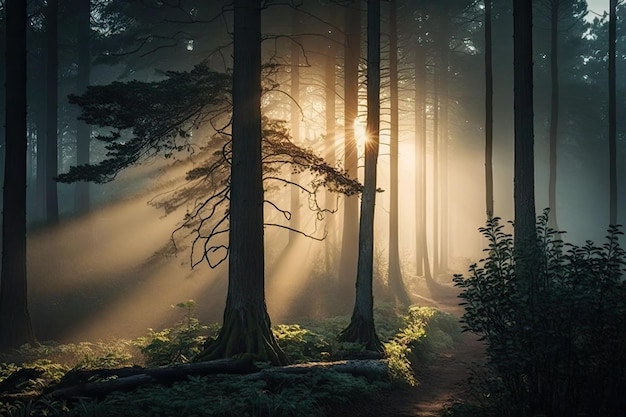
(295, 117)
(612, 116)
(361, 328)
(51, 200)
(488, 113)
(524, 177)
(15, 324)
(246, 326)
(83, 132)
(394, 270)
(352, 54)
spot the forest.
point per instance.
(312, 208)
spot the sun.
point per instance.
(360, 132)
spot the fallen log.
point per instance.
(99, 383)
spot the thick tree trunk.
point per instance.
(246, 327)
(361, 328)
(349, 236)
(524, 170)
(52, 204)
(612, 116)
(395, 271)
(15, 324)
(83, 131)
(554, 109)
(488, 113)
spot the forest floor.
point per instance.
(440, 383)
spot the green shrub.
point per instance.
(555, 335)
(178, 344)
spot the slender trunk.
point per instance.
(612, 116)
(395, 271)
(294, 223)
(554, 109)
(330, 79)
(52, 204)
(246, 329)
(488, 113)
(349, 240)
(444, 139)
(361, 328)
(15, 324)
(435, 138)
(39, 109)
(423, 262)
(83, 132)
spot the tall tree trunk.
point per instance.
(444, 140)
(524, 170)
(295, 116)
(435, 139)
(423, 262)
(349, 236)
(395, 271)
(488, 113)
(52, 204)
(15, 324)
(525, 239)
(612, 115)
(246, 327)
(361, 328)
(554, 109)
(83, 131)
(330, 156)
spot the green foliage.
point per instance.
(178, 344)
(425, 330)
(556, 327)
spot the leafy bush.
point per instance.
(554, 322)
(178, 344)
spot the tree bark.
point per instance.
(554, 109)
(423, 263)
(83, 131)
(246, 327)
(394, 269)
(488, 113)
(295, 116)
(349, 236)
(52, 204)
(15, 324)
(612, 115)
(444, 140)
(524, 170)
(361, 328)
(330, 156)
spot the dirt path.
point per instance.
(440, 383)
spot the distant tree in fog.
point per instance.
(15, 324)
(612, 115)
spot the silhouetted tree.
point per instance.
(361, 328)
(246, 325)
(394, 269)
(15, 324)
(612, 115)
(349, 235)
(488, 113)
(52, 79)
(83, 132)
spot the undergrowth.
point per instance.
(555, 336)
(411, 338)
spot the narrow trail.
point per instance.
(441, 382)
